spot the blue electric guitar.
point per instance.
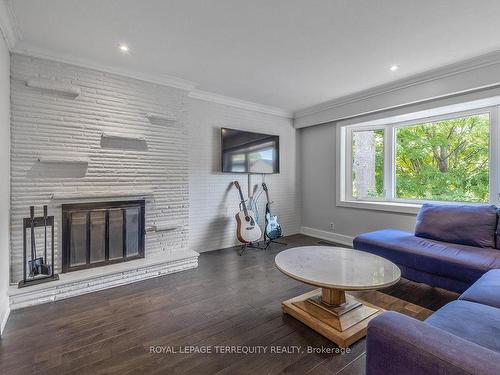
(273, 229)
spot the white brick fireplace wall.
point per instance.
(59, 156)
(57, 151)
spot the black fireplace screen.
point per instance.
(97, 234)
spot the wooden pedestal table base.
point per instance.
(344, 324)
(331, 311)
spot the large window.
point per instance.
(445, 158)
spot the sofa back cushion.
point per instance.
(463, 224)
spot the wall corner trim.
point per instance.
(8, 24)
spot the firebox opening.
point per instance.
(102, 233)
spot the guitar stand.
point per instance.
(269, 242)
(250, 245)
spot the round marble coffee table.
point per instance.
(330, 310)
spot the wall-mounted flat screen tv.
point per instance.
(247, 152)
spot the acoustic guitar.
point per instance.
(248, 230)
(273, 229)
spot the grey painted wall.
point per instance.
(318, 182)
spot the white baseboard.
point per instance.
(327, 236)
(4, 312)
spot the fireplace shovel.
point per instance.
(45, 268)
(36, 265)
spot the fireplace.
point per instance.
(98, 234)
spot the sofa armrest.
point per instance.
(397, 344)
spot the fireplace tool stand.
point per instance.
(37, 269)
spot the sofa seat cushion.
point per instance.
(486, 290)
(459, 262)
(473, 225)
(470, 321)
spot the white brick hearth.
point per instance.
(86, 281)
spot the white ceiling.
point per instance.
(289, 54)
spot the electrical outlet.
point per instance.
(332, 226)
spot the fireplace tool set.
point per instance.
(37, 269)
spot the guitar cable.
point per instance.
(254, 204)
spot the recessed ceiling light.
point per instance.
(123, 47)
(394, 67)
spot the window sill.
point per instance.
(399, 207)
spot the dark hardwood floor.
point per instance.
(227, 301)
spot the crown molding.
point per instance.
(239, 103)
(465, 66)
(8, 24)
(160, 79)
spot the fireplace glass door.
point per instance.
(96, 234)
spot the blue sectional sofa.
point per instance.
(452, 247)
(463, 337)
(456, 248)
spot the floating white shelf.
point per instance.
(54, 160)
(166, 226)
(123, 137)
(123, 141)
(114, 195)
(62, 88)
(160, 118)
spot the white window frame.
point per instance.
(389, 202)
